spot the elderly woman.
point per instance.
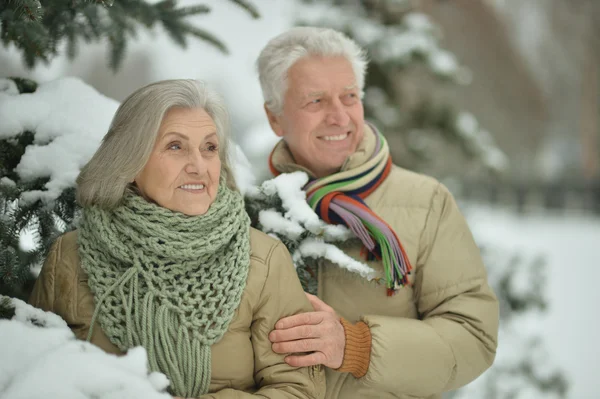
(164, 256)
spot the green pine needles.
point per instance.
(38, 28)
(44, 221)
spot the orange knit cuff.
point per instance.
(357, 354)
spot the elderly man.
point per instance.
(409, 334)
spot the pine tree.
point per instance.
(37, 28)
(45, 220)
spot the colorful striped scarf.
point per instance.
(339, 199)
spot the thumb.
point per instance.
(318, 304)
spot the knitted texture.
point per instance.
(166, 281)
(357, 353)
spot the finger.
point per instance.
(299, 320)
(294, 333)
(318, 304)
(300, 346)
(305, 360)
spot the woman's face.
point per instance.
(183, 171)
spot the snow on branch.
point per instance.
(414, 37)
(68, 118)
(279, 207)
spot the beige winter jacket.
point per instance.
(436, 335)
(243, 364)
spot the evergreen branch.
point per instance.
(37, 29)
(249, 7)
(191, 10)
(7, 309)
(92, 16)
(206, 36)
(71, 43)
(25, 86)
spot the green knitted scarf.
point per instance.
(166, 281)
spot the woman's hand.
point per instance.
(319, 332)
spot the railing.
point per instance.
(571, 196)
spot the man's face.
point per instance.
(323, 117)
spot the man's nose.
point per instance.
(337, 114)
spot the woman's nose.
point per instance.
(196, 163)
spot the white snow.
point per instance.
(49, 362)
(298, 218)
(275, 222)
(5, 181)
(288, 187)
(69, 119)
(8, 87)
(242, 169)
(417, 35)
(481, 141)
(315, 248)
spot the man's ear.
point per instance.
(274, 121)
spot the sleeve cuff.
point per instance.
(357, 354)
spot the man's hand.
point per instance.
(319, 334)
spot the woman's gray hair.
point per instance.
(127, 146)
(283, 51)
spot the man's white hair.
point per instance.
(283, 51)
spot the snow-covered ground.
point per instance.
(569, 245)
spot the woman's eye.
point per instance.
(211, 148)
(174, 146)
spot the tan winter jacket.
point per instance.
(436, 335)
(243, 364)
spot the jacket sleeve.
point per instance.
(455, 338)
(43, 293)
(281, 296)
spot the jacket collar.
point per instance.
(283, 160)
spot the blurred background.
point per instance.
(498, 99)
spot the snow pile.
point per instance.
(41, 358)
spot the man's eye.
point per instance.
(350, 98)
(315, 101)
